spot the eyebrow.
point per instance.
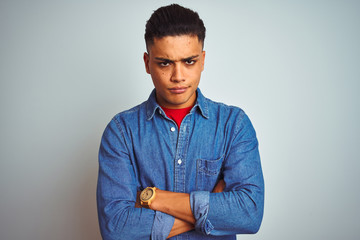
(169, 60)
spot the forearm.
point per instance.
(121, 221)
(174, 204)
(179, 227)
(178, 206)
(236, 212)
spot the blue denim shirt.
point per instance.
(142, 147)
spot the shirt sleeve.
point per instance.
(239, 209)
(162, 226)
(116, 194)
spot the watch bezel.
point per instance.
(147, 201)
(146, 190)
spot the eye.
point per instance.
(190, 62)
(164, 64)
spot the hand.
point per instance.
(220, 186)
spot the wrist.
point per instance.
(147, 196)
(157, 201)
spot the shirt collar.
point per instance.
(201, 104)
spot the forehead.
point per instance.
(174, 47)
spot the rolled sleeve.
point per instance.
(162, 226)
(199, 202)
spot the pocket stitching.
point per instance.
(210, 172)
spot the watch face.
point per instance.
(146, 194)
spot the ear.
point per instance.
(146, 61)
(203, 60)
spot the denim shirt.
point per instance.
(142, 147)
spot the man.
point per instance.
(179, 165)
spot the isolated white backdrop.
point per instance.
(66, 67)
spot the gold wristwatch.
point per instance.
(147, 196)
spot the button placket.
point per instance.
(180, 155)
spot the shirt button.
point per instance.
(179, 161)
(172, 129)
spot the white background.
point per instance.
(66, 67)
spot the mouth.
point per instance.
(178, 90)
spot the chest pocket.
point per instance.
(207, 173)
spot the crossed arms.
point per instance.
(235, 210)
(178, 206)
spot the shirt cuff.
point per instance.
(162, 226)
(199, 202)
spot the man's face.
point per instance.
(175, 64)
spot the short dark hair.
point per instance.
(174, 20)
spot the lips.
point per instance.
(178, 90)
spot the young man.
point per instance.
(179, 165)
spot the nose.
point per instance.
(177, 74)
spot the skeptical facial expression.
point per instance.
(175, 64)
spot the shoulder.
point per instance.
(131, 113)
(231, 117)
(219, 108)
(129, 117)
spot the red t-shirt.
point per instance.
(177, 114)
